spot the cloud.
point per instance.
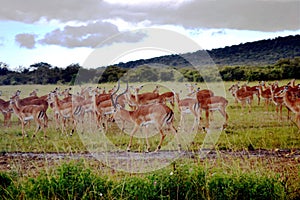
(90, 35)
(26, 40)
(230, 14)
(68, 10)
(261, 15)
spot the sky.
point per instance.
(63, 32)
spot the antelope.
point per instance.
(25, 101)
(33, 93)
(158, 114)
(6, 112)
(142, 99)
(66, 110)
(187, 106)
(103, 108)
(291, 103)
(29, 112)
(253, 90)
(277, 100)
(102, 112)
(191, 89)
(265, 93)
(33, 101)
(204, 94)
(211, 103)
(242, 95)
(167, 97)
(294, 89)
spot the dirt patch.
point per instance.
(23, 161)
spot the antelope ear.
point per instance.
(18, 93)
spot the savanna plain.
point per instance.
(257, 156)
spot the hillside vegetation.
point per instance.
(271, 59)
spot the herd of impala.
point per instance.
(140, 109)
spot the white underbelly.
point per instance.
(28, 118)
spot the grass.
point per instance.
(228, 177)
(260, 129)
(221, 179)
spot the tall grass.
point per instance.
(76, 181)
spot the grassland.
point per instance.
(259, 129)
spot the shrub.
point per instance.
(71, 181)
(191, 181)
(246, 186)
(7, 187)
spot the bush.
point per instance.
(246, 186)
(7, 187)
(74, 181)
(71, 181)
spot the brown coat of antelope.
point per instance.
(6, 112)
(158, 114)
(29, 112)
(292, 103)
(208, 102)
(242, 95)
(186, 106)
(265, 93)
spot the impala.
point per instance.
(265, 93)
(254, 90)
(291, 103)
(187, 106)
(157, 114)
(211, 103)
(294, 89)
(103, 111)
(66, 110)
(41, 101)
(6, 112)
(137, 99)
(191, 89)
(167, 97)
(29, 112)
(278, 100)
(242, 95)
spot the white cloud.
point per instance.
(26, 40)
(233, 14)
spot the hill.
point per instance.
(271, 59)
(257, 53)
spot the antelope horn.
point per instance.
(112, 95)
(121, 94)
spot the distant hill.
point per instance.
(272, 59)
(257, 53)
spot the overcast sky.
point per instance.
(62, 32)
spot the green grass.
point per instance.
(77, 180)
(228, 177)
(260, 129)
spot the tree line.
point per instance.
(271, 59)
(44, 73)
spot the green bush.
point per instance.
(247, 186)
(7, 187)
(71, 181)
(191, 181)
